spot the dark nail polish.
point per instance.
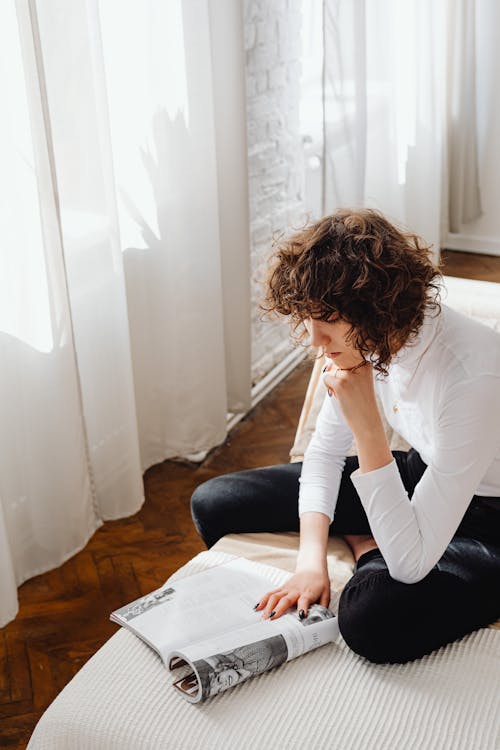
(272, 613)
(256, 605)
(302, 614)
(325, 368)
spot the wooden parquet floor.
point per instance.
(63, 617)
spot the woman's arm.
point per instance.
(313, 541)
(320, 478)
(373, 448)
(324, 461)
(323, 465)
(412, 536)
(310, 582)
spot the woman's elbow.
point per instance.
(405, 574)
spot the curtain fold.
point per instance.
(169, 222)
(399, 113)
(113, 353)
(464, 196)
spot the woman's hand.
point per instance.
(355, 392)
(304, 588)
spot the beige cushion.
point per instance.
(328, 699)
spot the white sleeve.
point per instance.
(324, 460)
(412, 536)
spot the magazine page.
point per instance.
(207, 604)
(217, 664)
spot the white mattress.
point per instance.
(330, 698)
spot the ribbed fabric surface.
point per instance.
(329, 698)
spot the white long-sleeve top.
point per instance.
(442, 395)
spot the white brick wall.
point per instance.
(275, 155)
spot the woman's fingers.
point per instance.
(303, 605)
(325, 599)
(330, 384)
(277, 601)
(272, 604)
(327, 379)
(305, 602)
(279, 607)
(265, 599)
(302, 589)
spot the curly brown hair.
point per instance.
(358, 265)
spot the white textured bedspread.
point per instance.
(330, 698)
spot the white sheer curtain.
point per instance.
(399, 111)
(463, 194)
(119, 346)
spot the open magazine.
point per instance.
(205, 629)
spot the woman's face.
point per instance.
(330, 337)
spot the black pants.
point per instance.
(380, 618)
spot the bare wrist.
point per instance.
(371, 424)
(373, 451)
(311, 559)
(313, 540)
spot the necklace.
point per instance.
(352, 369)
(346, 369)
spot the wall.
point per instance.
(483, 234)
(275, 156)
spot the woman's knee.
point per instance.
(362, 618)
(209, 507)
(387, 621)
(251, 500)
(207, 496)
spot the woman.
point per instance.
(424, 525)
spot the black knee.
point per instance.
(363, 620)
(207, 511)
(387, 621)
